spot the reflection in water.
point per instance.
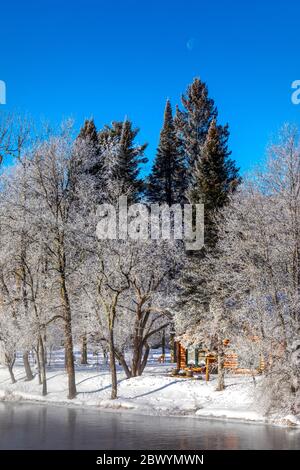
(71, 425)
(27, 426)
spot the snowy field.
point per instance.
(154, 393)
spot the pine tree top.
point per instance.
(89, 131)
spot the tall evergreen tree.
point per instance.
(167, 180)
(91, 158)
(123, 164)
(89, 161)
(211, 174)
(214, 177)
(89, 132)
(192, 123)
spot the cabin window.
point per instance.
(201, 357)
(191, 357)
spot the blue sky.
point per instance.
(111, 59)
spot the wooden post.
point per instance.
(207, 370)
(177, 346)
(84, 350)
(261, 364)
(173, 344)
(172, 349)
(181, 356)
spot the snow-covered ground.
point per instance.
(155, 393)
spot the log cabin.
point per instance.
(200, 360)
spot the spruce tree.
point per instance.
(123, 164)
(167, 180)
(89, 132)
(193, 121)
(91, 149)
(214, 177)
(211, 174)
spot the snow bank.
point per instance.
(155, 393)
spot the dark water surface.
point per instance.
(28, 426)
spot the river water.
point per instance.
(28, 426)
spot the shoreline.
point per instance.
(21, 399)
(155, 393)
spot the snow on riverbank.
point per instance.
(154, 393)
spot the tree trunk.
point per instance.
(70, 361)
(37, 353)
(136, 359)
(49, 358)
(66, 360)
(163, 346)
(221, 370)
(84, 359)
(10, 364)
(68, 340)
(28, 371)
(145, 359)
(122, 360)
(137, 348)
(173, 347)
(112, 363)
(11, 373)
(45, 348)
(43, 366)
(295, 369)
(105, 355)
